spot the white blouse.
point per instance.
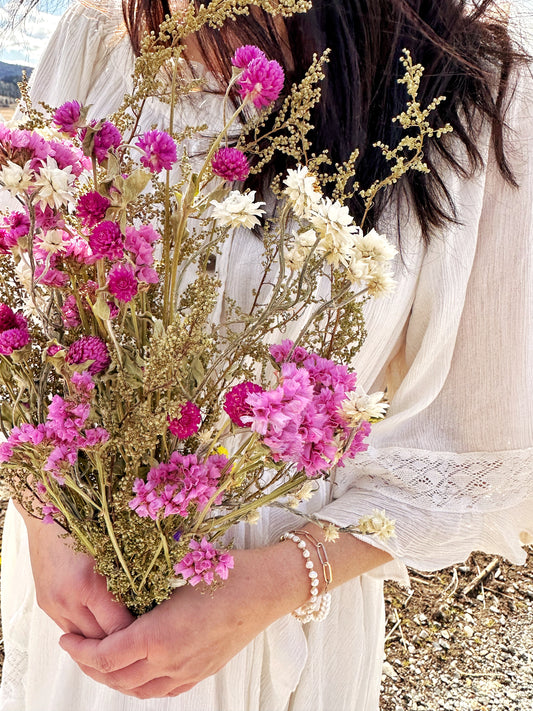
(452, 463)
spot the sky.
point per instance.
(25, 43)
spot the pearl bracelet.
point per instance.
(317, 607)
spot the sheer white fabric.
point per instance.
(452, 463)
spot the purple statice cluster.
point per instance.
(14, 333)
(203, 562)
(63, 435)
(261, 80)
(188, 421)
(301, 420)
(173, 487)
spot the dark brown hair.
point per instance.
(465, 50)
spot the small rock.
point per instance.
(468, 631)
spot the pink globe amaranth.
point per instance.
(107, 240)
(188, 421)
(261, 81)
(122, 282)
(8, 318)
(107, 137)
(230, 164)
(90, 348)
(67, 117)
(245, 54)
(13, 339)
(159, 151)
(91, 208)
(235, 402)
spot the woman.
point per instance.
(451, 463)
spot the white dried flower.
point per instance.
(52, 241)
(238, 210)
(305, 239)
(54, 184)
(304, 493)
(16, 178)
(380, 281)
(377, 523)
(359, 406)
(253, 517)
(331, 533)
(295, 258)
(375, 246)
(337, 231)
(302, 190)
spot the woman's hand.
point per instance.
(67, 587)
(193, 634)
(196, 632)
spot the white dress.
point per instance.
(452, 463)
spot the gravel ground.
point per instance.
(461, 652)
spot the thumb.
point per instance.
(111, 614)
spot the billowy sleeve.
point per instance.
(88, 59)
(453, 461)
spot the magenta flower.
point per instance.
(13, 340)
(173, 487)
(49, 511)
(67, 155)
(106, 138)
(47, 219)
(67, 117)
(14, 333)
(203, 563)
(236, 403)
(261, 81)
(90, 348)
(91, 208)
(54, 349)
(159, 150)
(50, 276)
(230, 164)
(187, 423)
(122, 282)
(245, 54)
(280, 352)
(140, 243)
(106, 240)
(14, 226)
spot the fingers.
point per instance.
(115, 652)
(130, 681)
(111, 615)
(81, 622)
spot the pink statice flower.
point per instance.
(67, 117)
(245, 54)
(106, 241)
(49, 511)
(70, 313)
(159, 151)
(12, 228)
(66, 154)
(50, 276)
(280, 352)
(230, 164)
(236, 402)
(203, 562)
(91, 208)
(139, 242)
(90, 348)
(14, 333)
(47, 219)
(176, 486)
(261, 82)
(188, 421)
(122, 282)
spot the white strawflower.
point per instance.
(331, 533)
(303, 242)
(377, 523)
(337, 231)
(302, 190)
(238, 210)
(359, 406)
(375, 246)
(16, 178)
(380, 281)
(358, 270)
(52, 241)
(304, 493)
(54, 184)
(305, 239)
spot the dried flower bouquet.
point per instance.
(132, 419)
